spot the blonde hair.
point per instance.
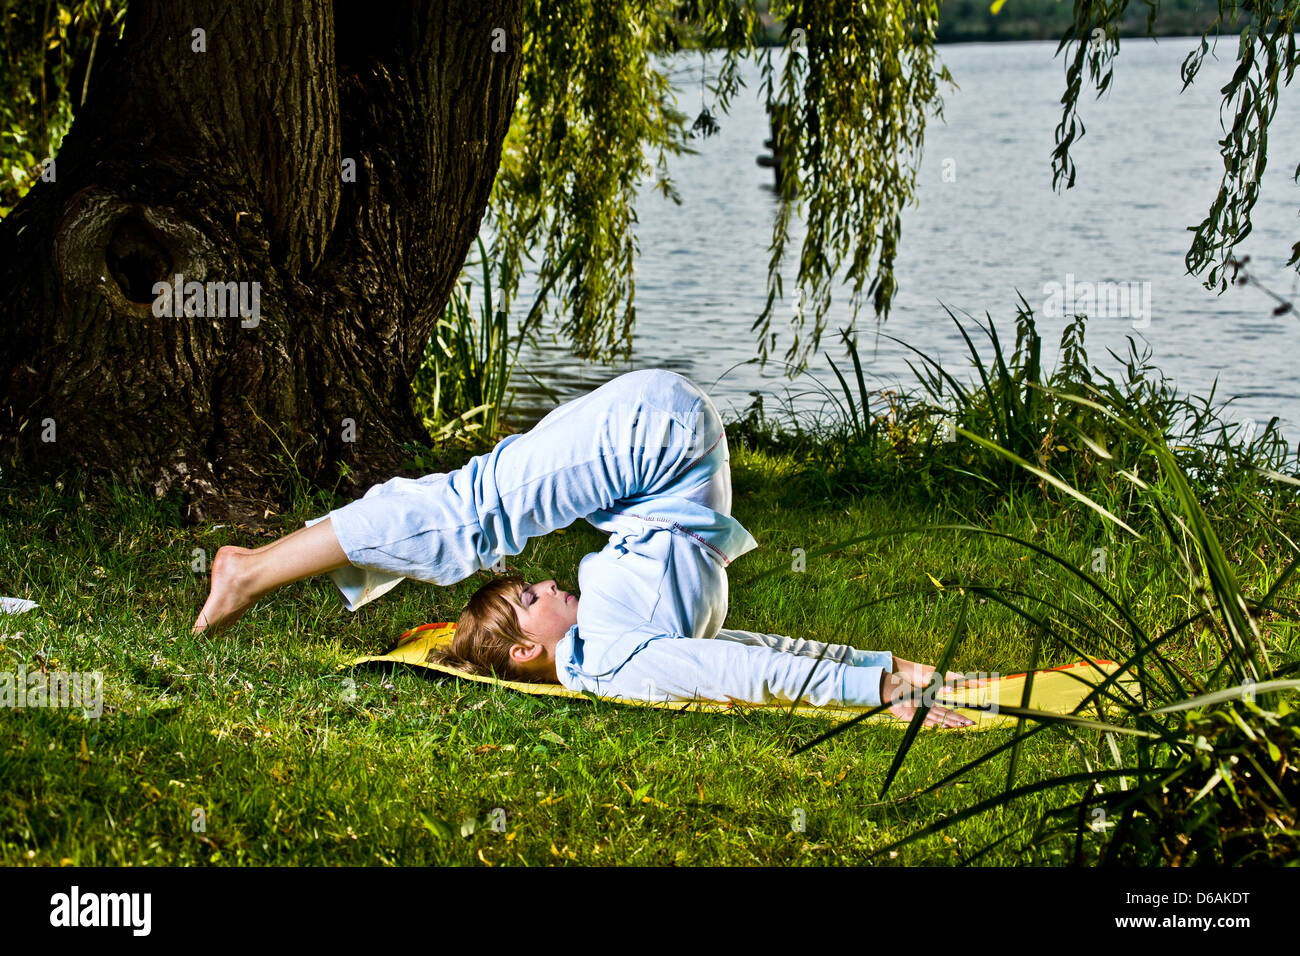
(487, 629)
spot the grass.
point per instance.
(253, 748)
(1044, 527)
(259, 734)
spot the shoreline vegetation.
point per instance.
(972, 21)
(1022, 513)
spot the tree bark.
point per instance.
(224, 165)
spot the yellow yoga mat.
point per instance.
(1059, 690)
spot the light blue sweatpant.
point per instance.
(645, 435)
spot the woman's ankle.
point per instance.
(235, 570)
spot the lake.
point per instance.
(1148, 168)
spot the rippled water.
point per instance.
(1148, 168)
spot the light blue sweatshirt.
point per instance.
(643, 457)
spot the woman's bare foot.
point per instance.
(231, 594)
(241, 576)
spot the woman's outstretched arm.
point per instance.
(914, 673)
(803, 647)
(683, 668)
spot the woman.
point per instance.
(643, 457)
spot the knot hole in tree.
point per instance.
(137, 258)
(119, 250)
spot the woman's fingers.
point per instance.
(947, 718)
(937, 717)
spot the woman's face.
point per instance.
(546, 613)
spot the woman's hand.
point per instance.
(906, 697)
(918, 675)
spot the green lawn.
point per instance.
(253, 748)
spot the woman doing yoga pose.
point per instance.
(644, 458)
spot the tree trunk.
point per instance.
(215, 145)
